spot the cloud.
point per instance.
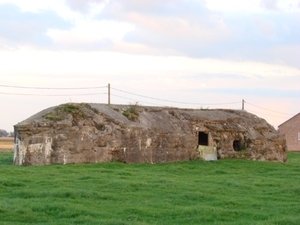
(189, 28)
(17, 28)
(265, 27)
(176, 32)
(165, 27)
(269, 4)
(82, 5)
(90, 35)
(171, 27)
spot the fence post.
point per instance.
(243, 104)
(108, 93)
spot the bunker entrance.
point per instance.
(237, 146)
(202, 138)
(205, 147)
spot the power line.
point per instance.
(2, 93)
(269, 109)
(135, 100)
(49, 88)
(187, 103)
(170, 101)
(123, 91)
(267, 114)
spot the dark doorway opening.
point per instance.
(237, 145)
(202, 138)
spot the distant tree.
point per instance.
(3, 133)
(11, 134)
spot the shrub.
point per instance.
(132, 113)
(59, 112)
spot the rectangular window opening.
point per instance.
(202, 138)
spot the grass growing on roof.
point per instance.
(225, 192)
(132, 113)
(62, 110)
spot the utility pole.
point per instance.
(243, 104)
(108, 93)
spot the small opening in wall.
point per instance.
(237, 145)
(202, 138)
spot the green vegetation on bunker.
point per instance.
(228, 191)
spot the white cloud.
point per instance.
(87, 33)
(269, 4)
(252, 6)
(168, 28)
(233, 5)
(84, 6)
(35, 5)
(64, 63)
(265, 27)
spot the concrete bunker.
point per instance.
(90, 133)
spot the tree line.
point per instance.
(4, 133)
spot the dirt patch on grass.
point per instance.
(6, 144)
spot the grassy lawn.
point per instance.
(197, 192)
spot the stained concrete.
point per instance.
(91, 133)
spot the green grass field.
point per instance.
(196, 192)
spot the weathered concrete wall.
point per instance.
(208, 153)
(85, 133)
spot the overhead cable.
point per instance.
(135, 100)
(266, 114)
(54, 88)
(2, 93)
(268, 109)
(164, 100)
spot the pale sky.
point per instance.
(181, 53)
